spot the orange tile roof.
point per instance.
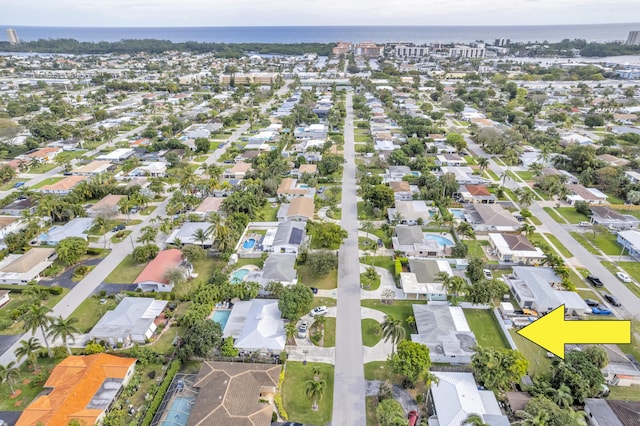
(158, 267)
(478, 190)
(74, 382)
(65, 184)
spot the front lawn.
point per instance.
(148, 210)
(486, 329)
(126, 272)
(539, 363)
(17, 299)
(371, 332)
(370, 280)
(385, 262)
(475, 248)
(268, 213)
(572, 215)
(27, 386)
(379, 370)
(47, 181)
(625, 393)
(554, 215)
(605, 242)
(297, 405)
(328, 281)
(328, 331)
(400, 309)
(90, 311)
(584, 242)
(366, 212)
(525, 175)
(632, 268)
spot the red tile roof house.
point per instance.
(153, 277)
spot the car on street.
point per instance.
(302, 330)
(584, 224)
(623, 277)
(318, 311)
(119, 227)
(487, 274)
(599, 310)
(18, 184)
(591, 302)
(611, 299)
(595, 281)
(314, 290)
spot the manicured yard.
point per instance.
(148, 210)
(371, 332)
(379, 370)
(535, 220)
(584, 242)
(48, 181)
(552, 212)
(484, 325)
(605, 242)
(323, 301)
(400, 309)
(259, 262)
(370, 282)
(17, 299)
(268, 213)
(385, 262)
(365, 212)
(572, 215)
(326, 282)
(120, 236)
(539, 363)
(491, 174)
(329, 340)
(126, 272)
(475, 248)
(297, 405)
(536, 237)
(525, 175)
(27, 386)
(42, 168)
(90, 311)
(631, 393)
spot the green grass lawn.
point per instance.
(605, 242)
(42, 168)
(365, 212)
(475, 248)
(385, 262)
(328, 281)
(371, 332)
(556, 242)
(537, 356)
(268, 213)
(400, 309)
(259, 262)
(484, 325)
(379, 370)
(535, 220)
(386, 239)
(323, 301)
(17, 300)
(572, 215)
(369, 284)
(115, 239)
(614, 199)
(90, 311)
(631, 393)
(48, 181)
(148, 210)
(552, 212)
(329, 340)
(297, 405)
(126, 272)
(362, 138)
(26, 392)
(526, 175)
(584, 242)
(491, 175)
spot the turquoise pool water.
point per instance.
(445, 242)
(457, 213)
(303, 185)
(221, 317)
(179, 412)
(249, 243)
(238, 276)
(416, 174)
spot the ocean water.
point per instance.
(325, 34)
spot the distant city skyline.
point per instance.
(168, 13)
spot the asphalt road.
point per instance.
(349, 384)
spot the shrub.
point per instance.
(162, 389)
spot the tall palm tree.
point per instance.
(188, 179)
(37, 316)
(393, 330)
(528, 229)
(290, 330)
(29, 349)
(314, 390)
(483, 163)
(101, 223)
(8, 373)
(562, 396)
(201, 236)
(525, 199)
(474, 420)
(64, 329)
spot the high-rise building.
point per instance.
(502, 42)
(634, 38)
(342, 48)
(12, 35)
(368, 49)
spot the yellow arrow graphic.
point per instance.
(552, 332)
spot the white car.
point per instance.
(487, 274)
(319, 311)
(623, 277)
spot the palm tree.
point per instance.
(452, 284)
(175, 276)
(536, 169)
(393, 330)
(8, 373)
(562, 396)
(527, 229)
(315, 391)
(188, 179)
(474, 420)
(36, 317)
(64, 329)
(483, 163)
(316, 371)
(29, 349)
(290, 330)
(527, 419)
(101, 223)
(201, 236)
(526, 199)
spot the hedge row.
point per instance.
(16, 288)
(162, 389)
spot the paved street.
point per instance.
(349, 385)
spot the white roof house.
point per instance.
(22, 268)
(131, 321)
(186, 234)
(117, 155)
(422, 280)
(515, 249)
(73, 228)
(256, 325)
(410, 212)
(456, 396)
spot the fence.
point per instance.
(506, 333)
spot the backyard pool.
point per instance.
(416, 174)
(237, 276)
(303, 186)
(179, 412)
(221, 317)
(445, 242)
(457, 213)
(249, 243)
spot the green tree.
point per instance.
(411, 360)
(71, 249)
(294, 301)
(314, 390)
(393, 330)
(142, 254)
(200, 339)
(227, 348)
(321, 262)
(474, 420)
(389, 412)
(593, 120)
(379, 196)
(64, 329)
(9, 373)
(28, 349)
(37, 316)
(497, 368)
(202, 145)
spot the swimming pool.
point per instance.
(445, 242)
(178, 413)
(416, 174)
(303, 186)
(238, 275)
(221, 317)
(249, 243)
(457, 213)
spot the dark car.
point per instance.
(314, 290)
(612, 300)
(595, 281)
(591, 303)
(119, 227)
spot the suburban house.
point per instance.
(288, 238)
(396, 173)
(423, 281)
(621, 370)
(80, 388)
(606, 216)
(208, 206)
(289, 188)
(74, 228)
(309, 169)
(457, 395)
(444, 329)
(300, 209)
(515, 248)
(237, 171)
(478, 194)
(43, 155)
(107, 207)
(612, 160)
(450, 160)
(229, 393)
(411, 241)
(590, 195)
(464, 175)
(9, 224)
(153, 276)
(132, 321)
(18, 206)
(94, 168)
(186, 234)
(117, 156)
(412, 212)
(151, 169)
(280, 268)
(256, 326)
(630, 240)
(490, 217)
(533, 289)
(64, 186)
(22, 268)
(402, 191)
(632, 175)
(313, 131)
(611, 412)
(4, 297)
(552, 171)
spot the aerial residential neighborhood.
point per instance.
(352, 235)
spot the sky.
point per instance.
(183, 13)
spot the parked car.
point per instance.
(623, 277)
(595, 281)
(302, 330)
(319, 311)
(591, 302)
(487, 274)
(119, 227)
(321, 190)
(135, 210)
(583, 224)
(413, 418)
(18, 184)
(314, 290)
(612, 300)
(599, 310)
